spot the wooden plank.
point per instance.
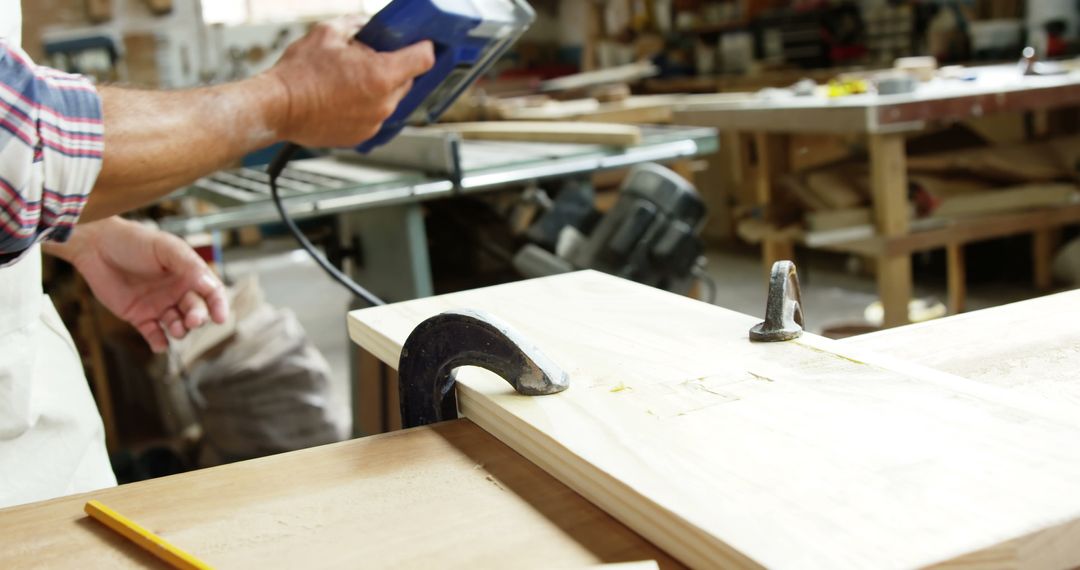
(726, 453)
(622, 74)
(888, 182)
(956, 278)
(369, 395)
(450, 496)
(549, 132)
(1043, 244)
(637, 110)
(966, 231)
(1013, 199)
(1031, 347)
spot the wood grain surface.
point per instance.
(1030, 347)
(807, 454)
(548, 132)
(450, 496)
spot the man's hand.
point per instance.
(146, 277)
(327, 90)
(339, 90)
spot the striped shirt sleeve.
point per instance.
(51, 148)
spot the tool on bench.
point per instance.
(469, 36)
(649, 236)
(453, 339)
(783, 312)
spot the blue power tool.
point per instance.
(469, 36)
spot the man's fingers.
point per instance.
(212, 291)
(194, 309)
(154, 336)
(179, 258)
(173, 323)
(410, 62)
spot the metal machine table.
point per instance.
(382, 206)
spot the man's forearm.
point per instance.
(158, 141)
(326, 90)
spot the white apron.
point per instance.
(51, 439)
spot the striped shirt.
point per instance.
(51, 148)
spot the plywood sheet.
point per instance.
(1031, 347)
(808, 454)
(549, 132)
(450, 496)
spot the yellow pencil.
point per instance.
(149, 541)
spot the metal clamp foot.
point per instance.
(467, 338)
(783, 314)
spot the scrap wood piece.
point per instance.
(551, 132)
(620, 74)
(1013, 199)
(1067, 151)
(795, 455)
(840, 187)
(754, 230)
(827, 220)
(642, 110)
(1030, 162)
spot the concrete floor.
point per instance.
(832, 294)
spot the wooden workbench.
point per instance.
(884, 122)
(453, 496)
(448, 496)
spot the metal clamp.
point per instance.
(467, 338)
(783, 314)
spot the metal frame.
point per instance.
(660, 144)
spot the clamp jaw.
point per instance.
(783, 312)
(445, 342)
(453, 339)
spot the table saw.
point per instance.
(679, 440)
(378, 203)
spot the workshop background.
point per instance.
(987, 211)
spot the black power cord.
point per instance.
(274, 170)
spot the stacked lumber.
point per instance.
(945, 185)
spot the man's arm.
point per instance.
(327, 90)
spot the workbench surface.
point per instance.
(992, 89)
(448, 496)
(1031, 347)
(804, 454)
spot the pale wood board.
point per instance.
(807, 454)
(1011, 199)
(551, 132)
(1030, 347)
(644, 109)
(450, 496)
